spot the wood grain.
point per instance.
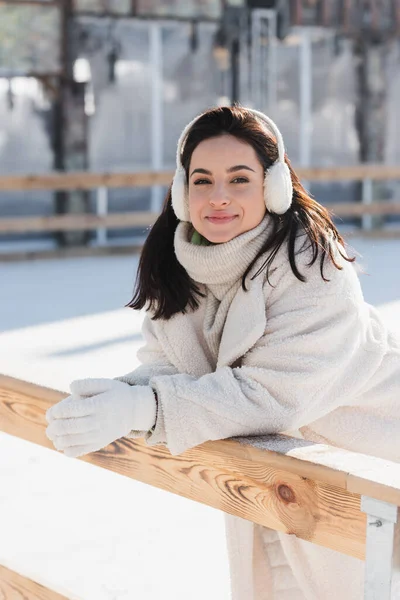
(16, 587)
(290, 485)
(276, 498)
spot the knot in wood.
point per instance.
(286, 493)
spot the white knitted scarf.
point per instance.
(219, 268)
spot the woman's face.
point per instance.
(226, 188)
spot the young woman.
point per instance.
(255, 324)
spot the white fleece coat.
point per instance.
(288, 357)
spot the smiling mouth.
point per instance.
(221, 220)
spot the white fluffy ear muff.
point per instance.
(179, 190)
(278, 187)
(179, 195)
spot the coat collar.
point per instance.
(244, 325)
(220, 266)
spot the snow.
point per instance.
(83, 531)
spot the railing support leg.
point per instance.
(381, 518)
(101, 210)
(367, 198)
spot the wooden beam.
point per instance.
(373, 234)
(73, 252)
(87, 181)
(129, 249)
(376, 172)
(43, 4)
(151, 16)
(73, 222)
(84, 180)
(43, 77)
(14, 586)
(358, 209)
(303, 489)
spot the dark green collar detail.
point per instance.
(199, 240)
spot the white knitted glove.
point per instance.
(98, 412)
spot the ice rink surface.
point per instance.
(83, 531)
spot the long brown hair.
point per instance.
(162, 284)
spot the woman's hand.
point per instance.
(98, 412)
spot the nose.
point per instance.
(218, 196)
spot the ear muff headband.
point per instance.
(278, 187)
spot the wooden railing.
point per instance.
(328, 496)
(86, 181)
(104, 181)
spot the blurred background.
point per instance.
(106, 87)
(93, 97)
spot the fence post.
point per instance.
(157, 128)
(381, 518)
(101, 210)
(366, 198)
(306, 91)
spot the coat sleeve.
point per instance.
(319, 350)
(153, 362)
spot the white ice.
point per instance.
(78, 529)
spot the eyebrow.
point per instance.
(230, 170)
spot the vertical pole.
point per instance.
(367, 196)
(157, 129)
(235, 70)
(255, 59)
(102, 210)
(381, 519)
(234, 21)
(305, 128)
(70, 132)
(245, 61)
(264, 60)
(371, 105)
(272, 61)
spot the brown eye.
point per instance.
(201, 181)
(240, 180)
